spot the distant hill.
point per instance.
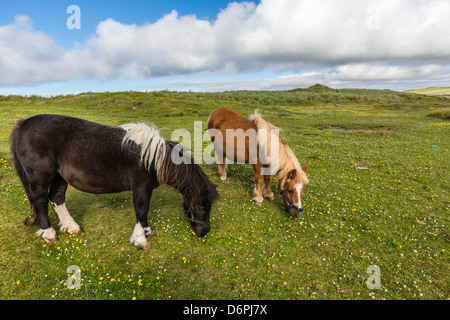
(315, 88)
(432, 91)
(315, 95)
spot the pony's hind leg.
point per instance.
(57, 197)
(258, 197)
(267, 190)
(222, 167)
(31, 221)
(223, 172)
(39, 200)
(141, 200)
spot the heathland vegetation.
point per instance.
(378, 195)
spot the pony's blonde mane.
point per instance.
(286, 160)
(153, 146)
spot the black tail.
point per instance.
(21, 172)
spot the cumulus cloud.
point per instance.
(357, 40)
(20, 48)
(28, 57)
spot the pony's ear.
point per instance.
(305, 168)
(292, 174)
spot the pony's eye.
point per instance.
(291, 191)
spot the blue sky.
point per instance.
(50, 16)
(222, 45)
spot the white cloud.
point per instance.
(21, 49)
(378, 76)
(360, 41)
(29, 57)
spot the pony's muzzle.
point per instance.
(202, 230)
(296, 213)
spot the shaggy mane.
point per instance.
(287, 161)
(153, 146)
(188, 178)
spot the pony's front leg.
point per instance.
(138, 237)
(141, 200)
(258, 197)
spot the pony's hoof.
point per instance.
(271, 198)
(76, 232)
(150, 234)
(223, 180)
(29, 221)
(51, 239)
(258, 203)
(144, 245)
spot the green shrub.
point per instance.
(443, 113)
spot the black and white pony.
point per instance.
(52, 151)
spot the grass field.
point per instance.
(432, 91)
(393, 213)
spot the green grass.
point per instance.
(394, 214)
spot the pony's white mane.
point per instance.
(286, 159)
(153, 146)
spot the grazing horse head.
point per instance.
(291, 189)
(190, 180)
(198, 208)
(199, 216)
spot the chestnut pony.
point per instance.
(52, 151)
(256, 141)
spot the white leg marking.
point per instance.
(299, 188)
(65, 219)
(148, 232)
(138, 236)
(46, 233)
(255, 198)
